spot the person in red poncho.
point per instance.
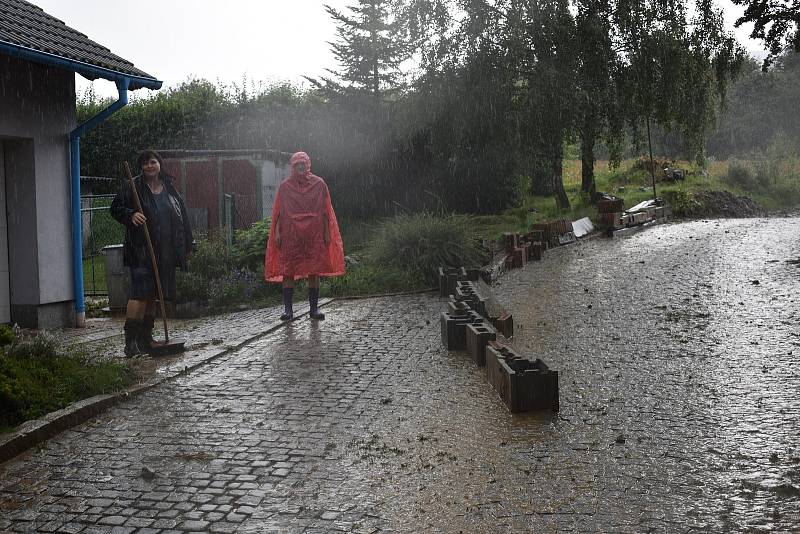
(304, 239)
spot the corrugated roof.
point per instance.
(27, 26)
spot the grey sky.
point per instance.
(264, 40)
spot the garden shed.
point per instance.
(206, 177)
(41, 278)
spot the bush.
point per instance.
(741, 176)
(36, 378)
(239, 285)
(191, 287)
(40, 346)
(421, 243)
(774, 173)
(683, 203)
(250, 244)
(222, 275)
(779, 179)
(212, 259)
(6, 335)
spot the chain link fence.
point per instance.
(99, 230)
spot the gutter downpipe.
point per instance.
(75, 181)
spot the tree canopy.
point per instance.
(458, 104)
(776, 22)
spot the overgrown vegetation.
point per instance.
(37, 376)
(394, 255)
(221, 276)
(774, 178)
(421, 243)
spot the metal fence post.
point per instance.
(230, 217)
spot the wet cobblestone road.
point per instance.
(679, 411)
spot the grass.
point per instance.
(776, 186)
(37, 376)
(94, 275)
(371, 279)
(635, 185)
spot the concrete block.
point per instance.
(566, 239)
(505, 325)
(637, 218)
(458, 308)
(536, 250)
(523, 385)
(537, 234)
(471, 298)
(448, 276)
(478, 335)
(454, 329)
(510, 241)
(610, 206)
(519, 257)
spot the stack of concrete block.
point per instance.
(448, 276)
(522, 384)
(610, 205)
(553, 232)
(467, 293)
(516, 249)
(465, 306)
(536, 234)
(642, 213)
(613, 221)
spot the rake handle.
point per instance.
(149, 249)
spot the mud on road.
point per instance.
(678, 349)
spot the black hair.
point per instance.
(147, 155)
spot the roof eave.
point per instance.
(86, 70)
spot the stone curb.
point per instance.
(31, 433)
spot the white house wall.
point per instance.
(37, 112)
(5, 295)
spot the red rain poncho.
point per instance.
(300, 205)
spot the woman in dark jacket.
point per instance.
(164, 212)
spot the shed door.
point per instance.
(5, 295)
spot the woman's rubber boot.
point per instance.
(288, 295)
(313, 301)
(132, 328)
(145, 339)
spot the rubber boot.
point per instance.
(145, 339)
(132, 328)
(288, 295)
(313, 301)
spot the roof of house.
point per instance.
(28, 32)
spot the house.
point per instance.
(41, 278)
